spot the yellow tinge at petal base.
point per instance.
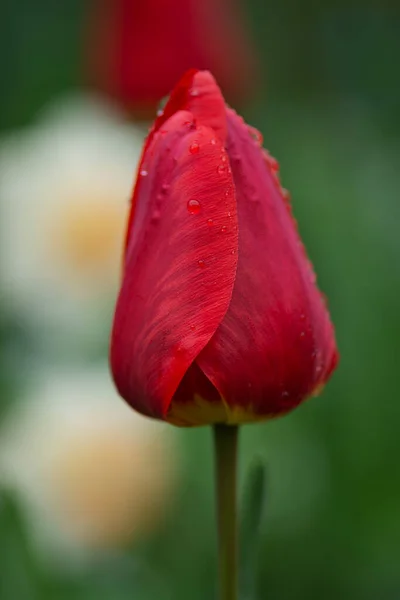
(203, 412)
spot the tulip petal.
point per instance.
(198, 93)
(275, 345)
(180, 262)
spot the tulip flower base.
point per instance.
(225, 444)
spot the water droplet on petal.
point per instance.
(274, 164)
(193, 207)
(193, 327)
(213, 141)
(256, 135)
(224, 229)
(144, 173)
(285, 394)
(201, 264)
(221, 169)
(229, 214)
(160, 112)
(164, 188)
(194, 92)
(210, 222)
(194, 148)
(302, 334)
(271, 161)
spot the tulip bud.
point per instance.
(130, 40)
(219, 319)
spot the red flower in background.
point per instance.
(132, 40)
(218, 318)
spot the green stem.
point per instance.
(226, 438)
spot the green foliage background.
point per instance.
(329, 110)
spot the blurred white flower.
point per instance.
(64, 192)
(90, 473)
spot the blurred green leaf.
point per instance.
(253, 504)
(20, 573)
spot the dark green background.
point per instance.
(329, 110)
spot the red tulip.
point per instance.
(218, 318)
(130, 40)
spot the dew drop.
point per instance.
(201, 264)
(210, 222)
(194, 92)
(213, 141)
(194, 148)
(285, 394)
(274, 164)
(190, 124)
(256, 135)
(193, 327)
(221, 169)
(302, 334)
(224, 229)
(164, 188)
(271, 161)
(229, 214)
(144, 173)
(193, 207)
(233, 252)
(160, 112)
